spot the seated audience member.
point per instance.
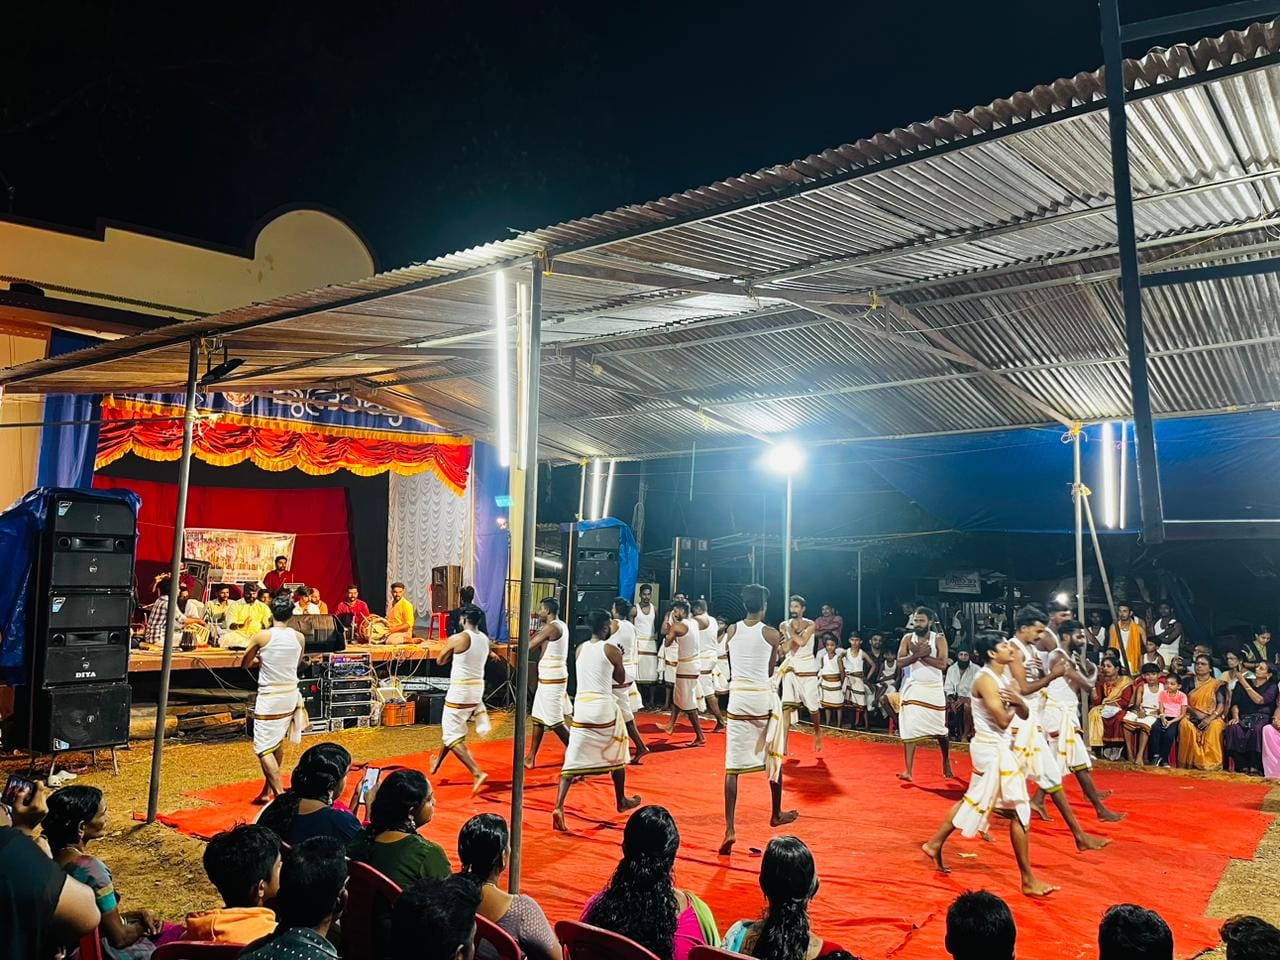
(1151, 654)
(1200, 734)
(1130, 932)
(1205, 650)
(78, 816)
(1111, 697)
(958, 685)
(303, 602)
(313, 892)
(888, 679)
(1250, 938)
(1142, 714)
(641, 903)
(1164, 733)
(401, 806)
(1235, 668)
(484, 849)
(467, 596)
(1252, 705)
(789, 881)
(1259, 649)
(439, 918)
(244, 864)
(1271, 747)
(307, 808)
(41, 908)
(980, 927)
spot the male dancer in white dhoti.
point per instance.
(686, 697)
(923, 713)
(997, 785)
(551, 703)
(277, 712)
(798, 676)
(669, 655)
(622, 633)
(1039, 763)
(468, 651)
(708, 630)
(643, 615)
(1060, 715)
(598, 732)
(756, 735)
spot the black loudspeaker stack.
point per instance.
(691, 567)
(79, 696)
(592, 574)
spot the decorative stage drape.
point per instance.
(321, 553)
(428, 525)
(154, 431)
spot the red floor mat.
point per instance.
(879, 896)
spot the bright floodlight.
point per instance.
(785, 458)
(1061, 598)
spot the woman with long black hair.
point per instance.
(641, 902)
(789, 881)
(484, 847)
(402, 805)
(307, 809)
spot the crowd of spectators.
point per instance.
(283, 883)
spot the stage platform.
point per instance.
(880, 896)
(216, 658)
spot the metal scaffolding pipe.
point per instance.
(528, 542)
(175, 578)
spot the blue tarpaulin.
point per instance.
(21, 528)
(628, 552)
(67, 452)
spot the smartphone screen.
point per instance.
(368, 782)
(18, 790)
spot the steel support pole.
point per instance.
(1077, 496)
(786, 552)
(1097, 553)
(531, 404)
(175, 579)
(857, 624)
(582, 488)
(1152, 510)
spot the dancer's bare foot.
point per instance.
(699, 742)
(904, 777)
(640, 755)
(718, 728)
(948, 773)
(1089, 842)
(557, 820)
(528, 763)
(987, 837)
(1107, 815)
(785, 817)
(726, 845)
(669, 728)
(1104, 794)
(262, 799)
(629, 803)
(934, 853)
(1038, 888)
(1037, 804)
(478, 782)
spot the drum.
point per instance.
(374, 629)
(194, 635)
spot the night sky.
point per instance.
(435, 126)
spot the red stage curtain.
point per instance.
(322, 548)
(312, 448)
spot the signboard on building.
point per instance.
(961, 582)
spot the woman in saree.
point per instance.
(1201, 730)
(1111, 697)
(1253, 702)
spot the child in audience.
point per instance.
(980, 927)
(438, 917)
(244, 864)
(1164, 735)
(313, 893)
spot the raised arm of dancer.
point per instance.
(906, 655)
(458, 643)
(998, 702)
(940, 661)
(1027, 687)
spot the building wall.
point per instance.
(19, 446)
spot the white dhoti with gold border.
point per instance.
(598, 740)
(923, 711)
(278, 715)
(756, 729)
(997, 784)
(463, 703)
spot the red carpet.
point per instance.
(879, 896)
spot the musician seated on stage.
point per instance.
(400, 616)
(352, 611)
(191, 613)
(320, 605)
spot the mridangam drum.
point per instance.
(374, 629)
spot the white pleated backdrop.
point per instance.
(429, 526)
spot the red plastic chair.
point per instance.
(581, 941)
(91, 945)
(195, 950)
(502, 942)
(703, 952)
(366, 889)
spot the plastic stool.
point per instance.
(440, 622)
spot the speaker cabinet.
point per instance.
(88, 515)
(81, 717)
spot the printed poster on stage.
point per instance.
(237, 556)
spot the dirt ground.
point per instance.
(160, 868)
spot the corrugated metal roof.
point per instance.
(741, 308)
